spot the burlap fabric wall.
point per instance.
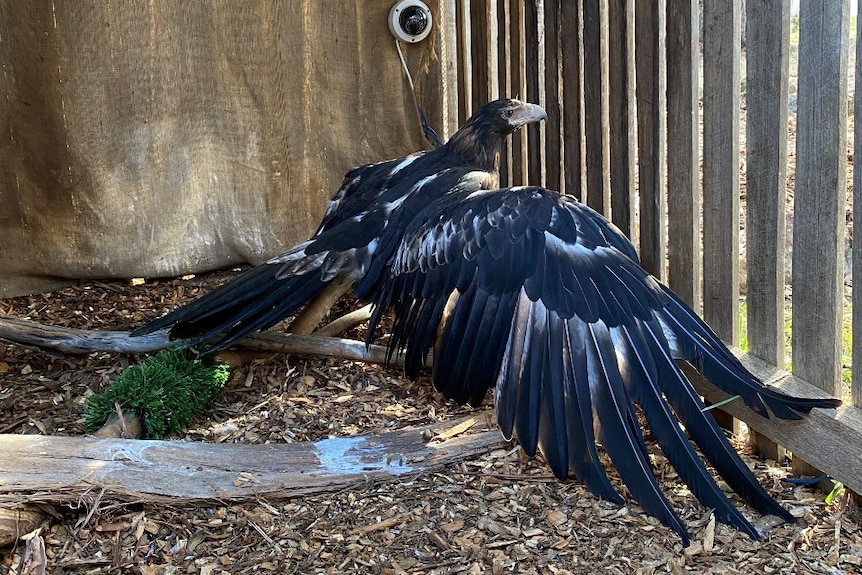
(161, 138)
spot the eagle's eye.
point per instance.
(509, 113)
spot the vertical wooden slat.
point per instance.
(856, 389)
(593, 105)
(683, 183)
(531, 65)
(449, 12)
(553, 144)
(721, 49)
(465, 62)
(491, 43)
(571, 120)
(479, 53)
(505, 83)
(621, 116)
(519, 87)
(598, 197)
(484, 45)
(767, 41)
(430, 73)
(818, 222)
(604, 39)
(767, 64)
(649, 16)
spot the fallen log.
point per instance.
(77, 341)
(51, 469)
(74, 341)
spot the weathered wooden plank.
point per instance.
(856, 386)
(533, 77)
(492, 41)
(63, 469)
(767, 42)
(767, 69)
(818, 222)
(598, 196)
(553, 141)
(504, 80)
(449, 12)
(449, 45)
(621, 113)
(649, 19)
(721, 48)
(829, 439)
(683, 162)
(517, 70)
(570, 56)
(483, 33)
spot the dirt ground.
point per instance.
(498, 513)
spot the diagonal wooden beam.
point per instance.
(829, 439)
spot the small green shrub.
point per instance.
(167, 391)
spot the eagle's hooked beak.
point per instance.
(527, 113)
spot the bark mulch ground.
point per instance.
(497, 513)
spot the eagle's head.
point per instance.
(479, 140)
(506, 116)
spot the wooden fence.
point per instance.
(644, 125)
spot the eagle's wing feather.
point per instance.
(542, 299)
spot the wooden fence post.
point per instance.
(683, 173)
(819, 197)
(767, 70)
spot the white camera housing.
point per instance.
(410, 21)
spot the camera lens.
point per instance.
(413, 20)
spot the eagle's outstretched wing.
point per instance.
(541, 299)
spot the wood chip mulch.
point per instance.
(499, 513)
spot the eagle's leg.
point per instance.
(348, 321)
(309, 318)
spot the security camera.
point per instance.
(410, 21)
